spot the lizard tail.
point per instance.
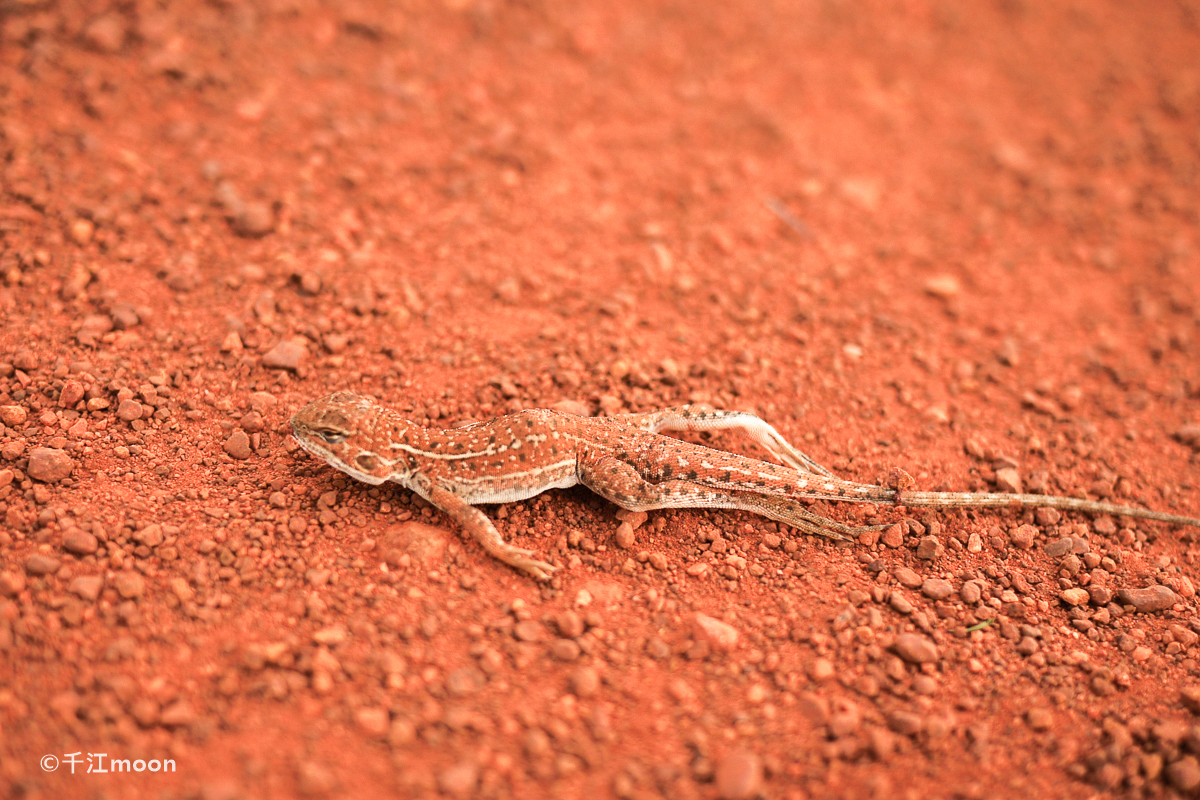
(997, 500)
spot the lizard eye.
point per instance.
(332, 437)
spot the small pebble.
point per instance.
(124, 316)
(944, 287)
(905, 723)
(569, 624)
(528, 630)
(49, 465)
(286, 355)
(1023, 536)
(719, 635)
(232, 343)
(11, 583)
(71, 394)
(1038, 719)
(821, 669)
(929, 548)
(924, 684)
(254, 219)
(1047, 516)
(1060, 547)
(151, 535)
(106, 33)
(129, 410)
(314, 779)
(937, 589)
(893, 536)
(624, 536)
(900, 603)
(459, 779)
(970, 593)
(739, 776)
(26, 360)
(574, 407)
(1190, 696)
(238, 445)
(80, 542)
(13, 416)
(906, 577)
(39, 564)
(1008, 480)
(130, 585)
(1184, 774)
(1074, 596)
(1189, 435)
(565, 650)
(87, 586)
(331, 636)
(81, 231)
(1148, 600)
(374, 722)
(585, 682)
(178, 714)
(915, 649)
(310, 282)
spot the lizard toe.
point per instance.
(538, 569)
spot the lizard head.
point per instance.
(337, 428)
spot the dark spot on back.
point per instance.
(691, 474)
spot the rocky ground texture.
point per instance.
(956, 240)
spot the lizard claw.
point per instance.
(522, 560)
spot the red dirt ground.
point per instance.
(957, 239)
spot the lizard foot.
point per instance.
(523, 560)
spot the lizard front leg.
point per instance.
(476, 523)
(700, 418)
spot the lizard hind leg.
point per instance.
(700, 418)
(617, 481)
(790, 512)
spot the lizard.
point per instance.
(623, 458)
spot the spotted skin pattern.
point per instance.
(622, 458)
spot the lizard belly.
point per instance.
(511, 494)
